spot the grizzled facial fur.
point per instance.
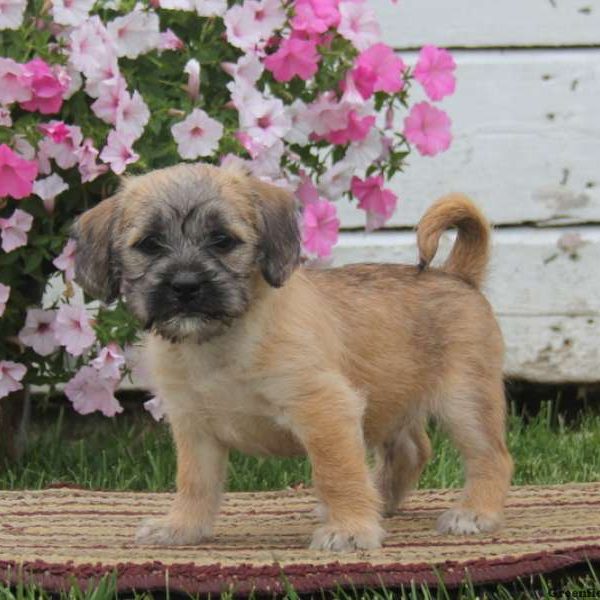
(187, 246)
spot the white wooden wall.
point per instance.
(526, 120)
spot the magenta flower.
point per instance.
(378, 69)
(315, 16)
(320, 227)
(14, 86)
(16, 174)
(38, 332)
(294, 57)
(73, 329)
(65, 261)
(356, 130)
(11, 374)
(47, 86)
(14, 230)
(4, 295)
(428, 128)
(378, 202)
(89, 391)
(435, 72)
(109, 361)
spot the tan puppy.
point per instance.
(251, 351)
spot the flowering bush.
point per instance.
(303, 92)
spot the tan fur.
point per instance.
(334, 363)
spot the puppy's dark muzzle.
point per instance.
(187, 285)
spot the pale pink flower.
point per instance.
(38, 332)
(4, 295)
(177, 4)
(295, 57)
(14, 86)
(155, 406)
(75, 81)
(265, 120)
(22, 147)
(197, 135)
(92, 47)
(379, 203)
(48, 86)
(111, 92)
(61, 143)
(315, 16)
(246, 71)
(210, 8)
(378, 69)
(241, 29)
(358, 23)
(363, 153)
(14, 230)
(300, 123)
(16, 174)
(192, 70)
(435, 72)
(327, 114)
(320, 227)
(132, 115)
(109, 361)
(71, 12)
(11, 13)
(267, 162)
(5, 118)
(73, 329)
(11, 374)
(105, 72)
(428, 128)
(65, 261)
(87, 154)
(269, 15)
(357, 129)
(118, 152)
(170, 41)
(336, 179)
(135, 33)
(89, 392)
(48, 189)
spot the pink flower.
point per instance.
(428, 128)
(89, 391)
(47, 86)
(48, 189)
(89, 169)
(38, 332)
(65, 261)
(118, 152)
(359, 24)
(109, 361)
(306, 192)
(363, 153)
(61, 143)
(111, 93)
(336, 180)
(14, 86)
(320, 228)
(135, 33)
(264, 120)
(356, 130)
(92, 48)
(327, 114)
(71, 12)
(378, 69)
(315, 16)
(155, 406)
(57, 130)
(14, 230)
(435, 72)
(294, 57)
(4, 294)
(16, 174)
(378, 202)
(269, 15)
(246, 71)
(5, 118)
(192, 70)
(132, 115)
(301, 126)
(11, 13)
(241, 30)
(73, 329)
(11, 374)
(170, 41)
(197, 135)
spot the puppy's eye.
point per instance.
(149, 245)
(223, 242)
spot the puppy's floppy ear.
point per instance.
(96, 268)
(279, 232)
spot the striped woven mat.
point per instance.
(57, 536)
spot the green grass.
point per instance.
(134, 453)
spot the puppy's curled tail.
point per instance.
(470, 253)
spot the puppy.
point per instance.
(251, 351)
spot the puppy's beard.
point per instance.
(195, 328)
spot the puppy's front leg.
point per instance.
(201, 467)
(329, 423)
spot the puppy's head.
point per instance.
(188, 247)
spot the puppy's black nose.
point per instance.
(185, 284)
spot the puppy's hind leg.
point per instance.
(400, 462)
(476, 423)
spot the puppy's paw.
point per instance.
(165, 532)
(336, 538)
(465, 521)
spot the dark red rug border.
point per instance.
(244, 578)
